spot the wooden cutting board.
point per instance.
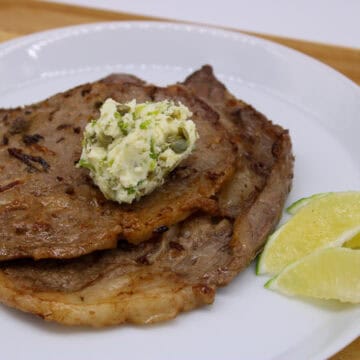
(21, 17)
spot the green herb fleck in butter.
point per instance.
(131, 148)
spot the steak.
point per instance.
(51, 209)
(256, 194)
(181, 268)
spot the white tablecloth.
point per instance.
(328, 21)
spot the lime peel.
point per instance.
(299, 204)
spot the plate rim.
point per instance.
(161, 25)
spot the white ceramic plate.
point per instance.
(319, 106)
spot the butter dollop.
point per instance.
(132, 146)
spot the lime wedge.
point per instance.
(332, 273)
(322, 221)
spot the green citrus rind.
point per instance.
(299, 204)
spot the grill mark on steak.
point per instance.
(28, 159)
(63, 126)
(9, 185)
(52, 113)
(19, 125)
(32, 139)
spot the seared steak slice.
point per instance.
(143, 283)
(179, 270)
(51, 209)
(256, 194)
(256, 138)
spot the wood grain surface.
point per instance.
(22, 17)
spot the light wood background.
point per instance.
(21, 17)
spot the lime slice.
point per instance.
(325, 221)
(326, 274)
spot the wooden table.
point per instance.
(21, 17)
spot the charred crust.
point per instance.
(29, 160)
(52, 113)
(125, 245)
(60, 140)
(5, 140)
(237, 111)
(231, 102)
(77, 130)
(276, 149)
(59, 178)
(97, 104)
(70, 190)
(85, 91)
(63, 126)
(87, 179)
(19, 125)
(9, 185)
(143, 260)
(20, 229)
(212, 175)
(32, 139)
(175, 245)
(161, 229)
(260, 168)
(182, 172)
(216, 219)
(89, 182)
